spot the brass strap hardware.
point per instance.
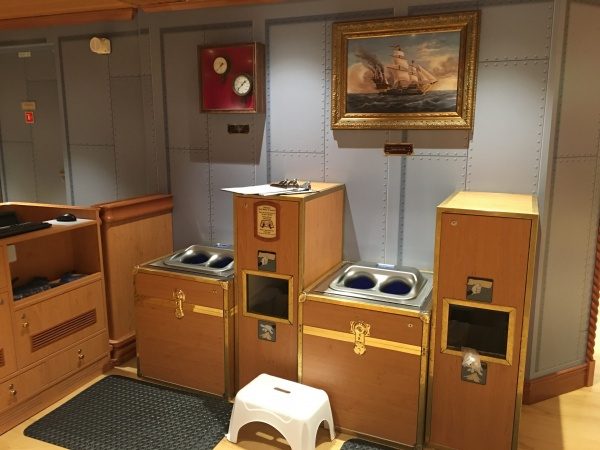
(179, 298)
(12, 390)
(369, 341)
(360, 330)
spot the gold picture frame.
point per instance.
(405, 72)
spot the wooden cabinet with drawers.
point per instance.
(185, 329)
(53, 339)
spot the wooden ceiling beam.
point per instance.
(68, 19)
(199, 4)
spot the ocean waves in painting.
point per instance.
(434, 101)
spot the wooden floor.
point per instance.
(568, 422)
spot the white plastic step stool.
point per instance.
(293, 409)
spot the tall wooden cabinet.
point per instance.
(53, 340)
(134, 230)
(282, 244)
(484, 265)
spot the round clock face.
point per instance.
(242, 85)
(220, 65)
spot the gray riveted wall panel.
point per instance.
(428, 181)
(303, 166)
(87, 94)
(525, 29)
(94, 179)
(19, 171)
(126, 54)
(145, 60)
(13, 90)
(47, 145)
(569, 240)
(443, 140)
(580, 117)
(40, 66)
(359, 162)
(296, 57)
(228, 35)
(191, 197)
(233, 160)
(186, 125)
(509, 115)
(128, 120)
(151, 147)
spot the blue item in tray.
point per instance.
(37, 284)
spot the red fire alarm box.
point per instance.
(29, 117)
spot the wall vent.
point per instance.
(62, 330)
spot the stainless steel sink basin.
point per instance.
(203, 259)
(405, 286)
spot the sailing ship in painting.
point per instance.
(397, 85)
(403, 78)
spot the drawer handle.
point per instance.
(25, 324)
(178, 298)
(80, 354)
(360, 330)
(12, 390)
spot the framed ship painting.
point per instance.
(405, 72)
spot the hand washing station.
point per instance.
(364, 340)
(405, 286)
(216, 260)
(184, 316)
